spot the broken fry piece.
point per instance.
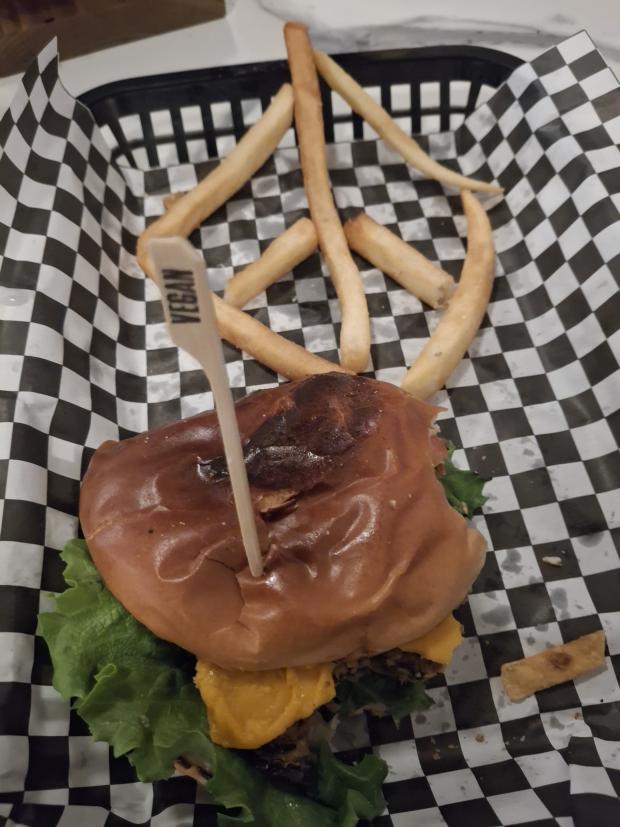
(393, 256)
(188, 212)
(355, 331)
(555, 665)
(285, 252)
(387, 128)
(460, 322)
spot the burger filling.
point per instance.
(247, 710)
(137, 691)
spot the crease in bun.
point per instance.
(362, 551)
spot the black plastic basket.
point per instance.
(130, 110)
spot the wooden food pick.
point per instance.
(180, 274)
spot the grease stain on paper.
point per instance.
(512, 561)
(499, 616)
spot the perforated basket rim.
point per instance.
(141, 95)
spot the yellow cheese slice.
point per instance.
(439, 644)
(249, 709)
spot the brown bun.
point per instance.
(362, 551)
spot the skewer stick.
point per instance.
(180, 274)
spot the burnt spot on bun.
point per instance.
(317, 425)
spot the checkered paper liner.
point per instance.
(534, 407)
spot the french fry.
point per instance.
(269, 348)
(355, 331)
(172, 198)
(266, 346)
(385, 126)
(188, 210)
(555, 665)
(460, 322)
(393, 256)
(285, 252)
(192, 770)
(254, 148)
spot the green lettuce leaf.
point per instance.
(354, 791)
(132, 689)
(463, 488)
(136, 692)
(380, 694)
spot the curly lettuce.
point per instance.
(380, 694)
(136, 693)
(463, 488)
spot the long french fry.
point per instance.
(460, 322)
(393, 256)
(285, 252)
(385, 126)
(269, 348)
(254, 148)
(355, 331)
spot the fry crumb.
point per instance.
(184, 767)
(552, 561)
(480, 738)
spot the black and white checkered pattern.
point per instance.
(534, 408)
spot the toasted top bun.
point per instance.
(361, 550)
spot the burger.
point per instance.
(178, 657)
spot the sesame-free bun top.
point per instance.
(361, 550)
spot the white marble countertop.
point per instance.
(251, 31)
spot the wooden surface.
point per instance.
(84, 26)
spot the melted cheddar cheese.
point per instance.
(249, 709)
(439, 644)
